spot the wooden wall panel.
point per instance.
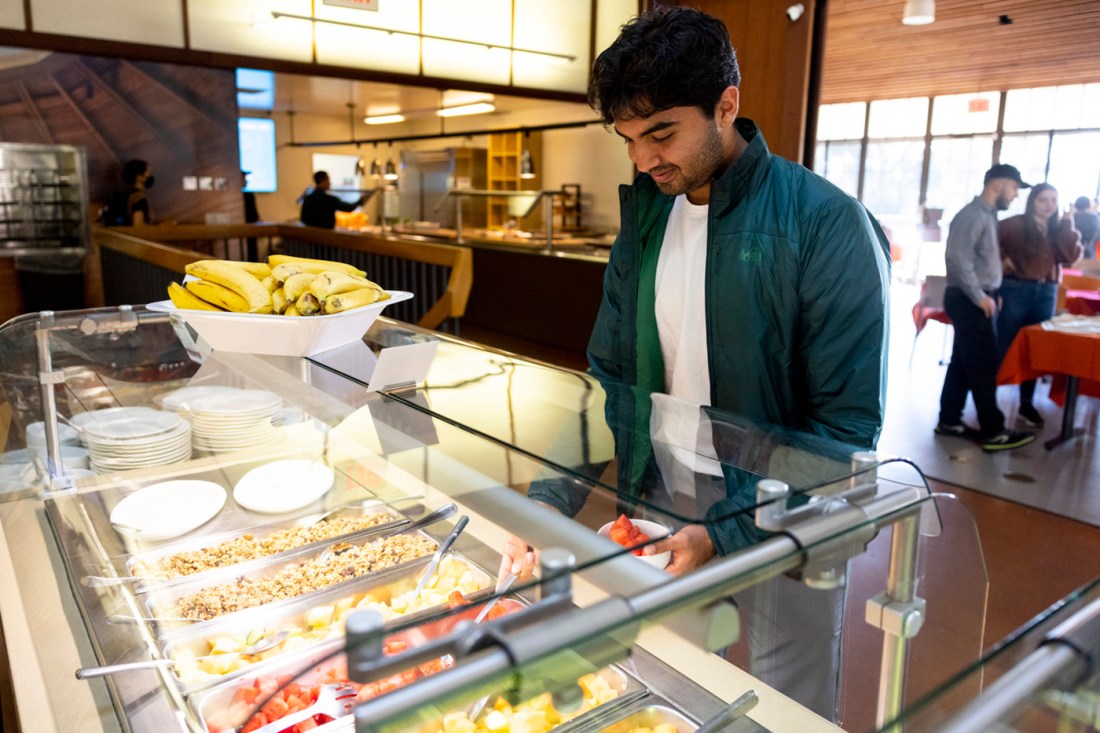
(774, 55)
(870, 54)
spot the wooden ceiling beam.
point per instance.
(92, 131)
(34, 113)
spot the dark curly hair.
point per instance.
(667, 57)
(132, 169)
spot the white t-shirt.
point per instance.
(682, 329)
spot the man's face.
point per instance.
(1007, 193)
(680, 148)
(324, 184)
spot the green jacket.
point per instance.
(796, 309)
(796, 298)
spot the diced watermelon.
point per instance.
(259, 720)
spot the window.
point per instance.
(1070, 107)
(841, 121)
(839, 162)
(959, 114)
(891, 185)
(1075, 165)
(256, 141)
(956, 167)
(898, 118)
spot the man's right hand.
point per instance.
(518, 558)
(988, 306)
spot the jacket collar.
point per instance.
(746, 173)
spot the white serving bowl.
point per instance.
(653, 530)
(258, 333)
(36, 435)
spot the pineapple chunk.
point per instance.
(225, 645)
(530, 721)
(319, 616)
(496, 722)
(399, 604)
(467, 583)
(457, 723)
(665, 728)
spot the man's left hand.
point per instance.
(690, 547)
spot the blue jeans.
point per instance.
(1024, 303)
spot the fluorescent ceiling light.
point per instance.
(383, 119)
(477, 108)
(919, 12)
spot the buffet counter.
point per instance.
(97, 512)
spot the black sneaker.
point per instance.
(1007, 440)
(958, 430)
(1028, 415)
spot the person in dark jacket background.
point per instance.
(319, 207)
(739, 281)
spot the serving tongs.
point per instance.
(736, 709)
(446, 545)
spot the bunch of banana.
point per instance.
(286, 285)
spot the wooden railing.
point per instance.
(136, 264)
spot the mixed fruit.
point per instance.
(537, 715)
(279, 696)
(326, 622)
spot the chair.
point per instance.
(1071, 281)
(929, 307)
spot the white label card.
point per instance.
(402, 365)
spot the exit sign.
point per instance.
(357, 4)
(979, 104)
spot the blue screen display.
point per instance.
(257, 146)
(255, 89)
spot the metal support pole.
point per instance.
(47, 378)
(901, 596)
(548, 216)
(458, 220)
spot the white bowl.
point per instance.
(257, 333)
(655, 531)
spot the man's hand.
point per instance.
(518, 558)
(988, 306)
(690, 547)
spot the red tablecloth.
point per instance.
(1036, 352)
(1083, 302)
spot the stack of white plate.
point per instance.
(180, 400)
(230, 421)
(123, 438)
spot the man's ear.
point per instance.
(728, 104)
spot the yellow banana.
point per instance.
(291, 311)
(307, 304)
(278, 301)
(283, 272)
(184, 298)
(269, 283)
(295, 285)
(331, 283)
(219, 295)
(230, 276)
(356, 298)
(258, 270)
(314, 266)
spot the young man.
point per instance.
(739, 281)
(973, 259)
(319, 207)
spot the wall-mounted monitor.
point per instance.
(257, 146)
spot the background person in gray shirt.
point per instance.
(973, 277)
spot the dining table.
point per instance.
(1066, 346)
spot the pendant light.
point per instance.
(375, 165)
(919, 12)
(391, 169)
(526, 165)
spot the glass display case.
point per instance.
(236, 532)
(43, 199)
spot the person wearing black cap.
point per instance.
(974, 275)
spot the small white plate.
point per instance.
(182, 398)
(169, 509)
(653, 530)
(131, 423)
(283, 486)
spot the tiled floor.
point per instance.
(1023, 534)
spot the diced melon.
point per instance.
(665, 728)
(496, 722)
(467, 583)
(344, 604)
(399, 604)
(221, 663)
(445, 585)
(319, 616)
